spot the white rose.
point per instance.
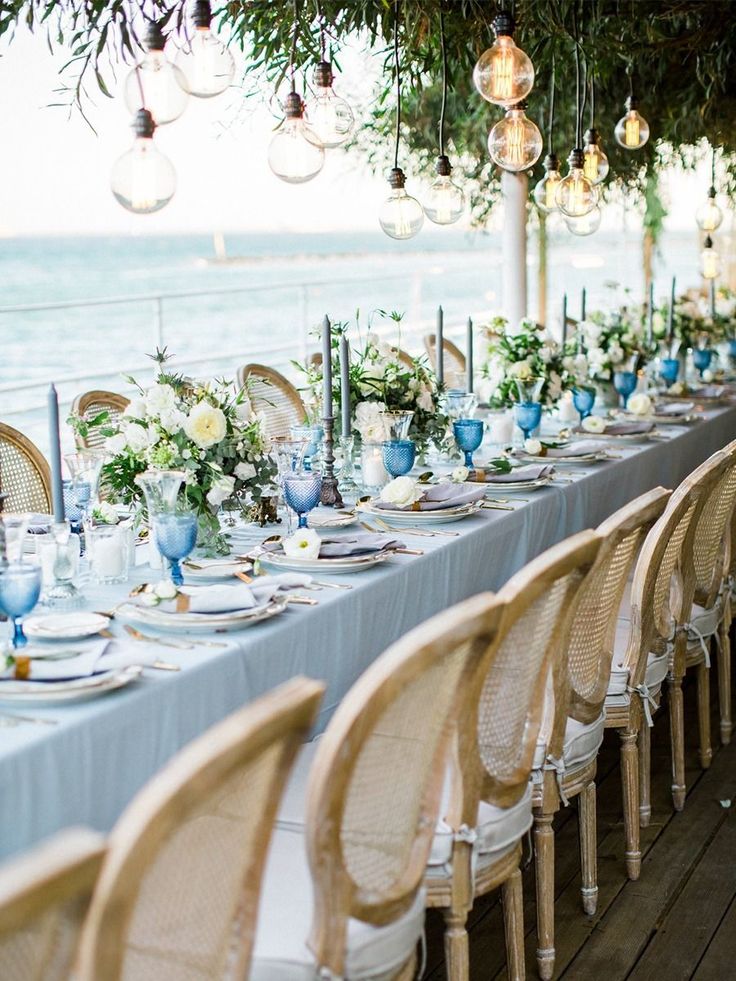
(546, 353)
(244, 410)
(245, 471)
(402, 492)
(707, 375)
(591, 331)
(425, 402)
(160, 398)
(136, 437)
(303, 544)
(369, 422)
(640, 404)
(135, 409)
(172, 420)
(459, 475)
(116, 444)
(105, 513)
(533, 447)
(615, 354)
(148, 599)
(205, 425)
(521, 370)
(594, 424)
(165, 590)
(220, 490)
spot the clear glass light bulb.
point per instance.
(545, 190)
(143, 180)
(596, 164)
(710, 261)
(155, 83)
(445, 202)
(585, 224)
(709, 216)
(330, 118)
(576, 195)
(504, 74)
(293, 153)
(515, 142)
(632, 130)
(207, 64)
(401, 216)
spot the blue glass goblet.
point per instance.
(528, 416)
(583, 400)
(702, 357)
(468, 436)
(20, 587)
(732, 348)
(398, 456)
(669, 369)
(175, 534)
(302, 493)
(625, 384)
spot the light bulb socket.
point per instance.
(504, 24)
(631, 103)
(143, 124)
(708, 243)
(521, 106)
(551, 162)
(711, 193)
(293, 106)
(592, 136)
(323, 77)
(576, 160)
(443, 167)
(154, 37)
(202, 14)
(396, 178)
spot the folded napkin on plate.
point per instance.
(355, 544)
(533, 471)
(629, 428)
(710, 392)
(439, 496)
(223, 597)
(673, 408)
(44, 663)
(581, 447)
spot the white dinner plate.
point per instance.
(65, 626)
(74, 690)
(518, 485)
(200, 623)
(563, 460)
(399, 518)
(323, 519)
(211, 571)
(340, 565)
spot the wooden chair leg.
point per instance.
(645, 776)
(724, 680)
(630, 793)
(513, 925)
(544, 866)
(703, 686)
(677, 741)
(588, 848)
(456, 945)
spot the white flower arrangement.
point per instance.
(527, 353)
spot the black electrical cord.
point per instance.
(444, 84)
(398, 83)
(551, 124)
(292, 56)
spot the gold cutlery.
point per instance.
(181, 645)
(421, 531)
(163, 666)
(488, 506)
(302, 600)
(506, 500)
(8, 719)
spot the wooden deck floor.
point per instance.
(677, 922)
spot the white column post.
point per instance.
(514, 190)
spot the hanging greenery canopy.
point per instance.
(678, 56)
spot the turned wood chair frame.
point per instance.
(92, 403)
(38, 498)
(252, 373)
(278, 721)
(454, 359)
(475, 774)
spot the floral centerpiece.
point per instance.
(608, 340)
(693, 322)
(208, 430)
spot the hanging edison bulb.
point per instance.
(401, 216)
(143, 180)
(207, 64)
(596, 165)
(632, 130)
(294, 154)
(330, 117)
(710, 261)
(586, 224)
(445, 202)
(504, 74)
(155, 83)
(709, 216)
(515, 142)
(546, 189)
(576, 195)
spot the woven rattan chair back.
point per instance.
(44, 897)
(88, 406)
(538, 601)
(24, 474)
(593, 630)
(178, 893)
(454, 359)
(711, 540)
(273, 395)
(375, 785)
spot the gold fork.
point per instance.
(181, 645)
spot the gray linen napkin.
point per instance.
(581, 447)
(439, 496)
(629, 428)
(226, 598)
(533, 471)
(673, 408)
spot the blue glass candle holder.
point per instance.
(702, 357)
(398, 456)
(302, 493)
(20, 588)
(669, 369)
(625, 384)
(468, 436)
(583, 399)
(175, 534)
(528, 416)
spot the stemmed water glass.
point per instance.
(85, 467)
(669, 369)
(398, 456)
(289, 454)
(702, 357)
(302, 493)
(397, 424)
(175, 534)
(459, 403)
(624, 380)
(528, 410)
(583, 399)
(468, 436)
(311, 437)
(20, 588)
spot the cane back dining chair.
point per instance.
(44, 897)
(274, 395)
(88, 406)
(488, 806)
(362, 806)
(25, 477)
(178, 892)
(453, 360)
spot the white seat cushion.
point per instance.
(285, 919)
(704, 621)
(656, 672)
(582, 742)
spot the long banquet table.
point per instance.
(87, 767)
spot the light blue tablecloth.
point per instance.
(88, 767)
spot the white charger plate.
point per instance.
(340, 565)
(65, 626)
(74, 690)
(200, 623)
(439, 516)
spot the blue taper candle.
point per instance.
(326, 368)
(344, 386)
(57, 489)
(469, 356)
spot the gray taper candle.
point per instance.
(326, 368)
(564, 318)
(671, 322)
(583, 298)
(57, 489)
(713, 299)
(440, 346)
(469, 356)
(650, 313)
(344, 386)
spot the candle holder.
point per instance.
(348, 487)
(61, 593)
(330, 495)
